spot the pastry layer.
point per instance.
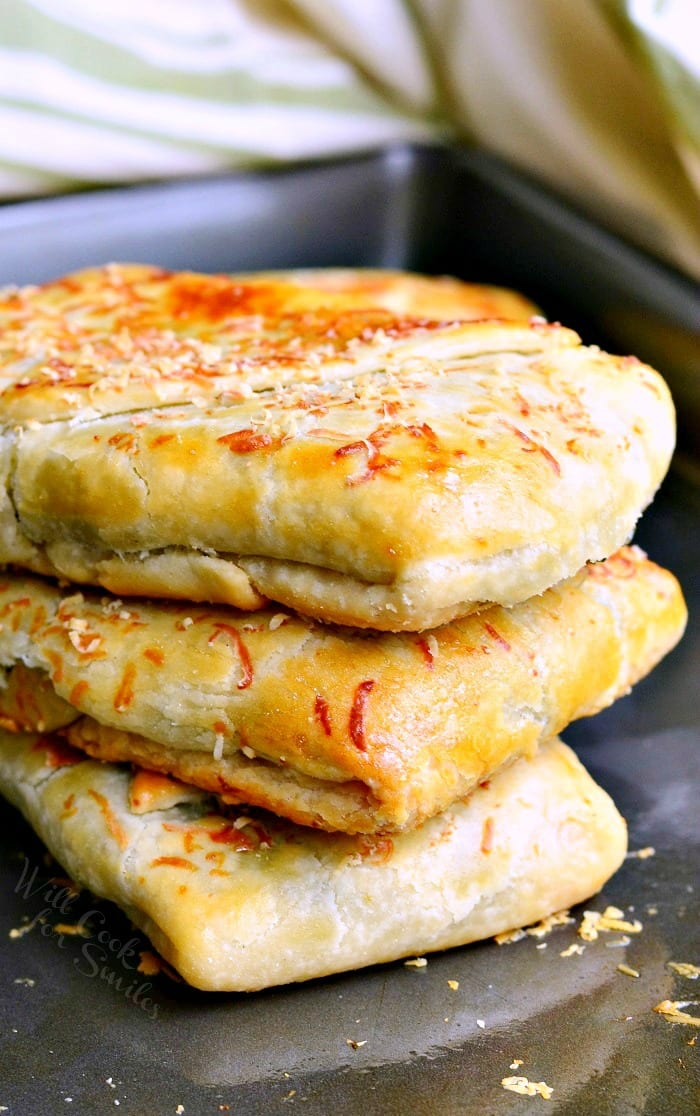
(334, 728)
(492, 464)
(238, 904)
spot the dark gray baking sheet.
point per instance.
(78, 1021)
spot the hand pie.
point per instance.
(333, 728)
(241, 902)
(393, 476)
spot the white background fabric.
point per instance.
(600, 98)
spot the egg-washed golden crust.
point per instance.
(111, 339)
(440, 297)
(395, 500)
(334, 728)
(239, 904)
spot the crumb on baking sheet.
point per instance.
(516, 1063)
(685, 969)
(20, 931)
(642, 854)
(672, 1010)
(416, 963)
(28, 981)
(527, 1088)
(355, 1044)
(537, 930)
(594, 923)
(453, 984)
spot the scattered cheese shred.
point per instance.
(355, 1043)
(574, 948)
(671, 1010)
(453, 984)
(516, 1063)
(75, 930)
(627, 970)
(618, 943)
(527, 1088)
(416, 963)
(612, 918)
(642, 854)
(685, 969)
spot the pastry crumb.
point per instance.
(527, 1088)
(416, 963)
(672, 1011)
(453, 984)
(508, 937)
(642, 854)
(545, 925)
(537, 930)
(594, 923)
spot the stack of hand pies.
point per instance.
(303, 575)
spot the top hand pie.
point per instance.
(209, 439)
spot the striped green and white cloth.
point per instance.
(599, 97)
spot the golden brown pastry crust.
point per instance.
(396, 500)
(439, 297)
(111, 339)
(335, 728)
(238, 905)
